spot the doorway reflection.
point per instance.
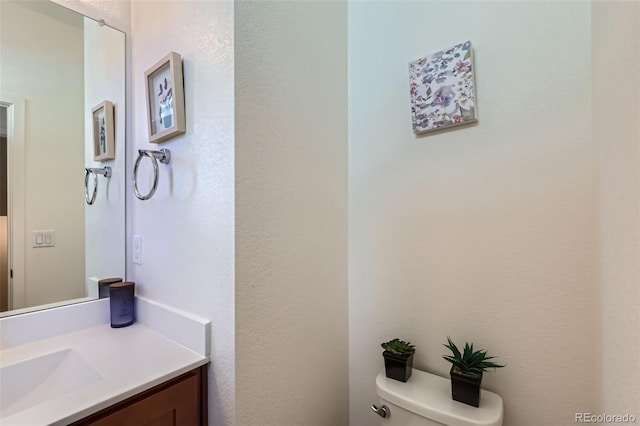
(4, 240)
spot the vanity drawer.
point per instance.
(178, 402)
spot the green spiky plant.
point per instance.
(399, 347)
(469, 361)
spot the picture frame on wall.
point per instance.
(442, 89)
(103, 132)
(165, 99)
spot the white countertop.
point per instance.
(129, 360)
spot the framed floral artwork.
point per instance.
(165, 99)
(442, 88)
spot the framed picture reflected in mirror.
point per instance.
(103, 132)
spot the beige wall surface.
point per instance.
(291, 213)
(616, 130)
(484, 233)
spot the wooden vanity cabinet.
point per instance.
(178, 402)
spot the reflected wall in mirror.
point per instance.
(55, 66)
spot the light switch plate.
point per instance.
(44, 238)
(137, 249)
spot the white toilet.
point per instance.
(425, 400)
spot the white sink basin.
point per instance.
(34, 381)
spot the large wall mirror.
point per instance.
(56, 66)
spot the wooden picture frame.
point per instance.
(165, 99)
(103, 132)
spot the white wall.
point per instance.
(616, 130)
(187, 228)
(115, 13)
(104, 64)
(51, 82)
(484, 233)
(291, 213)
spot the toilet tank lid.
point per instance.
(429, 396)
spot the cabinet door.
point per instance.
(176, 403)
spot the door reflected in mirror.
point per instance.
(55, 67)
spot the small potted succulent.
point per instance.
(466, 372)
(398, 359)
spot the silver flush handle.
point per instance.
(383, 411)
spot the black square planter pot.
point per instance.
(398, 367)
(464, 388)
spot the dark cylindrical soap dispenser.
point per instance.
(103, 286)
(122, 307)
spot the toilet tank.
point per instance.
(425, 400)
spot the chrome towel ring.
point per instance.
(164, 156)
(104, 171)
